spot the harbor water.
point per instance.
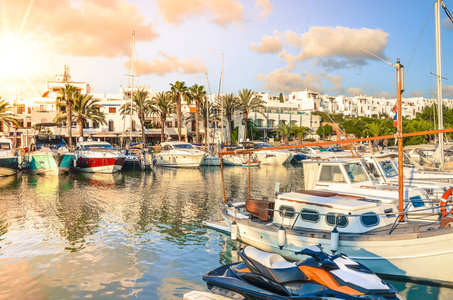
(128, 235)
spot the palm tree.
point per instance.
(140, 106)
(206, 115)
(248, 102)
(65, 98)
(300, 131)
(230, 104)
(6, 115)
(178, 90)
(84, 108)
(373, 128)
(196, 94)
(162, 105)
(284, 130)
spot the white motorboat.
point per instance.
(385, 170)
(97, 157)
(9, 161)
(267, 157)
(179, 155)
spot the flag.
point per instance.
(394, 108)
(395, 120)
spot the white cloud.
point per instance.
(265, 7)
(168, 64)
(222, 12)
(282, 80)
(268, 44)
(353, 91)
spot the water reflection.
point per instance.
(122, 235)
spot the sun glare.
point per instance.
(17, 57)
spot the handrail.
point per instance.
(389, 215)
(246, 151)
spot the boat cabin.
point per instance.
(5, 144)
(94, 146)
(350, 176)
(325, 210)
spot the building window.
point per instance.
(270, 123)
(29, 110)
(134, 126)
(168, 124)
(309, 215)
(112, 110)
(111, 125)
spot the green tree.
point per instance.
(230, 105)
(196, 94)
(248, 102)
(300, 131)
(84, 108)
(206, 116)
(416, 126)
(178, 91)
(140, 106)
(64, 100)
(373, 128)
(162, 104)
(6, 114)
(324, 130)
(280, 98)
(285, 131)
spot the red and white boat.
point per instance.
(97, 157)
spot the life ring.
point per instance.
(443, 202)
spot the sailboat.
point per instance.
(137, 158)
(399, 237)
(426, 173)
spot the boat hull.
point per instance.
(419, 257)
(179, 160)
(8, 166)
(270, 158)
(99, 164)
(43, 163)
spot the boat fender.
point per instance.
(234, 231)
(281, 237)
(74, 162)
(334, 240)
(443, 202)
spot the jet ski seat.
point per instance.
(269, 260)
(273, 266)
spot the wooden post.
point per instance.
(399, 70)
(223, 178)
(248, 194)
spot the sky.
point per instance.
(275, 46)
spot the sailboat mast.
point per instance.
(207, 112)
(400, 89)
(439, 84)
(221, 105)
(132, 84)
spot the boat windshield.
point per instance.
(356, 172)
(5, 146)
(262, 145)
(183, 146)
(97, 147)
(388, 167)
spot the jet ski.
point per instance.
(263, 275)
